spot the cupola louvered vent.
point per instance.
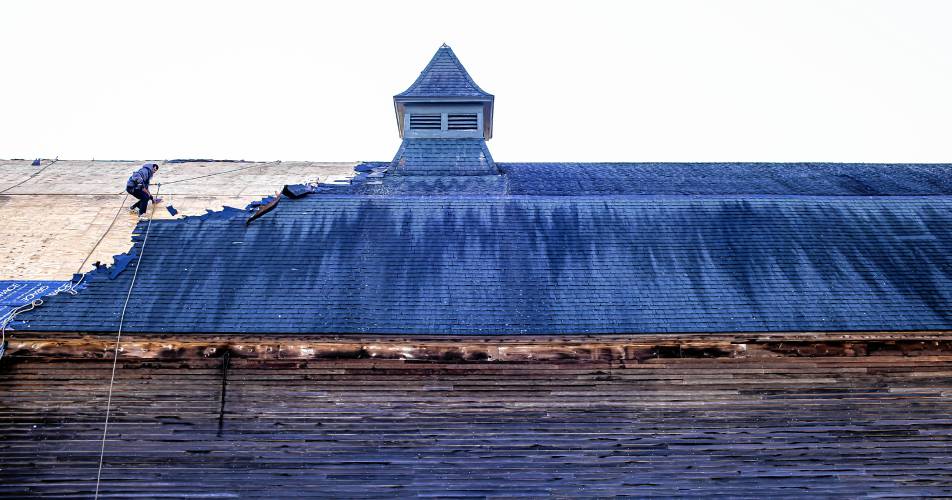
(463, 121)
(443, 120)
(428, 121)
(444, 103)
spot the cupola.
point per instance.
(444, 120)
(444, 102)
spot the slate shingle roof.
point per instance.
(444, 76)
(786, 253)
(435, 185)
(444, 157)
(695, 179)
(793, 179)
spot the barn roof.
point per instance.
(553, 248)
(443, 239)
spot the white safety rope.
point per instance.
(115, 355)
(34, 174)
(3, 327)
(122, 205)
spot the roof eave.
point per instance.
(463, 98)
(448, 52)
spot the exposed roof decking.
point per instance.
(53, 221)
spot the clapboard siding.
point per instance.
(742, 426)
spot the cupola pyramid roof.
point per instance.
(444, 77)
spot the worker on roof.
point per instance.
(138, 186)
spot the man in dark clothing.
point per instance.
(138, 186)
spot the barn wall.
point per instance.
(868, 420)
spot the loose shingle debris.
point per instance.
(292, 191)
(121, 262)
(295, 191)
(264, 208)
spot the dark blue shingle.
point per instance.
(817, 179)
(537, 264)
(443, 157)
(444, 76)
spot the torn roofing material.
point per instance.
(295, 191)
(346, 262)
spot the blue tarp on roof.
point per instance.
(541, 264)
(14, 294)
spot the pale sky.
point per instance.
(667, 80)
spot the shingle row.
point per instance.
(536, 264)
(444, 76)
(443, 157)
(818, 179)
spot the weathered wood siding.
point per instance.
(873, 419)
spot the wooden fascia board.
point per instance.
(567, 349)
